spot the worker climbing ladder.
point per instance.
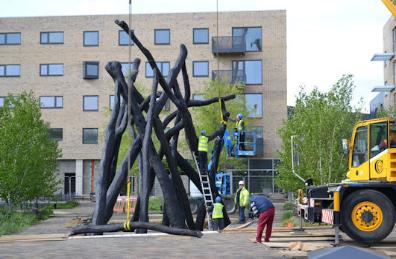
(206, 191)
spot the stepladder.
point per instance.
(206, 191)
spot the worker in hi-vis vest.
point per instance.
(203, 152)
(241, 201)
(217, 215)
(240, 126)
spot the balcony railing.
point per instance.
(229, 76)
(228, 45)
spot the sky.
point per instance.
(325, 39)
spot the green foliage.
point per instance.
(28, 156)
(155, 204)
(287, 215)
(14, 221)
(288, 206)
(321, 121)
(67, 205)
(208, 117)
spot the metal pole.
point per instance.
(273, 177)
(249, 174)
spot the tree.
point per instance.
(320, 121)
(208, 117)
(28, 156)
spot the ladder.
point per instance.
(206, 190)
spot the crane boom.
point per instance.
(391, 5)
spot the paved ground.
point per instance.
(228, 245)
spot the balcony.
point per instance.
(228, 45)
(230, 76)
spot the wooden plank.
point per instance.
(43, 237)
(310, 239)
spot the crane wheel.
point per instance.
(367, 216)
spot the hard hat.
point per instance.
(240, 116)
(218, 199)
(241, 182)
(203, 132)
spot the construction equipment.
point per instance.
(206, 190)
(244, 148)
(363, 205)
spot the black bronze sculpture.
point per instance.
(144, 120)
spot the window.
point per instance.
(394, 40)
(252, 36)
(91, 38)
(162, 66)
(198, 97)
(201, 68)
(392, 132)
(51, 102)
(90, 136)
(90, 103)
(91, 69)
(51, 37)
(10, 70)
(252, 70)
(254, 105)
(162, 36)
(51, 69)
(56, 134)
(10, 38)
(201, 36)
(123, 38)
(379, 138)
(2, 100)
(259, 139)
(360, 153)
(111, 102)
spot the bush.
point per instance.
(287, 215)
(155, 204)
(288, 206)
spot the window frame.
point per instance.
(355, 143)
(3, 98)
(90, 45)
(97, 136)
(61, 139)
(160, 68)
(5, 70)
(55, 101)
(200, 43)
(48, 35)
(262, 104)
(85, 65)
(155, 36)
(250, 27)
(97, 103)
(110, 106)
(193, 68)
(119, 39)
(244, 69)
(48, 66)
(5, 38)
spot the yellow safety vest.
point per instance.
(203, 144)
(217, 211)
(239, 125)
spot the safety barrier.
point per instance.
(122, 204)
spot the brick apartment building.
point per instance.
(62, 60)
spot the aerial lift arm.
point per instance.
(391, 5)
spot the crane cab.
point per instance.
(372, 153)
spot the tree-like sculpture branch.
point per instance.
(145, 120)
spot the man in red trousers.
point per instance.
(265, 210)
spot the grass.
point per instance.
(14, 221)
(155, 204)
(67, 205)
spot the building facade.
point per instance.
(62, 59)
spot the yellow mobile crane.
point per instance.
(363, 205)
